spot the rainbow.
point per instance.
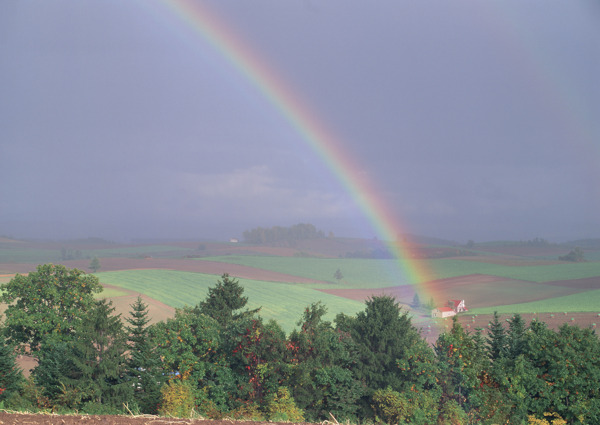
(322, 141)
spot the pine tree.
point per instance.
(143, 363)
(224, 300)
(384, 335)
(416, 301)
(516, 336)
(497, 343)
(95, 264)
(98, 356)
(11, 376)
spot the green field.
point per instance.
(29, 256)
(282, 302)
(584, 302)
(365, 273)
(17, 254)
(358, 273)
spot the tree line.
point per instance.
(220, 359)
(262, 235)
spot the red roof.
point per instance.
(445, 309)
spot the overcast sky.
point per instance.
(475, 119)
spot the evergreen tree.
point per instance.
(384, 335)
(143, 364)
(322, 359)
(516, 336)
(497, 341)
(98, 357)
(338, 275)
(95, 264)
(416, 301)
(89, 367)
(11, 377)
(224, 300)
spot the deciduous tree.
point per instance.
(45, 302)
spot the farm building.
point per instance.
(442, 312)
(451, 308)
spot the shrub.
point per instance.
(177, 399)
(452, 414)
(248, 412)
(281, 407)
(553, 419)
(417, 408)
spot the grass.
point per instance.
(583, 302)
(279, 301)
(540, 273)
(358, 273)
(372, 274)
(29, 256)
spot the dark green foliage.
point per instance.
(383, 335)
(338, 275)
(224, 300)
(294, 233)
(576, 256)
(416, 301)
(89, 368)
(220, 360)
(11, 377)
(464, 369)
(144, 372)
(256, 354)
(516, 336)
(415, 408)
(95, 264)
(46, 302)
(187, 344)
(496, 342)
(322, 359)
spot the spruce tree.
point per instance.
(224, 301)
(497, 343)
(516, 336)
(11, 376)
(98, 356)
(143, 364)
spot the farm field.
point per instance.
(283, 280)
(283, 302)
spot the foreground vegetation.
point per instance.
(221, 359)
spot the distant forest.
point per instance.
(262, 235)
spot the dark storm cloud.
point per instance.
(475, 120)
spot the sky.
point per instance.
(473, 120)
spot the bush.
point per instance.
(416, 408)
(452, 414)
(553, 419)
(177, 399)
(248, 412)
(281, 407)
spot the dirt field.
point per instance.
(24, 419)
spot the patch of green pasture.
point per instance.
(588, 301)
(27, 256)
(539, 273)
(357, 272)
(134, 250)
(282, 302)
